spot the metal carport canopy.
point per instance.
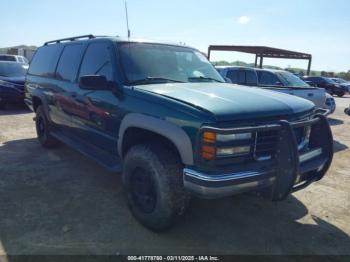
(263, 51)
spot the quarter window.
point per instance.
(44, 61)
(97, 61)
(68, 65)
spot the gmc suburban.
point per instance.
(163, 117)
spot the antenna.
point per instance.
(127, 19)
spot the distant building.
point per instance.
(26, 52)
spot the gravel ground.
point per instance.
(59, 202)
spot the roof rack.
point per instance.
(70, 39)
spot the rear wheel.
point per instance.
(340, 93)
(43, 129)
(2, 105)
(152, 177)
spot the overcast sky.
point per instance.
(319, 27)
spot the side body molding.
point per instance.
(171, 131)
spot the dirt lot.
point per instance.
(59, 202)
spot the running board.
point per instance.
(103, 158)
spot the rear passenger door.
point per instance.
(97, 122)
(64, 106)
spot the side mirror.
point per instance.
(94, 82)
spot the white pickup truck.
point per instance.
(275, 80)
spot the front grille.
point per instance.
(299, 134)
(265, 144)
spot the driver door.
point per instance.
(97, 120)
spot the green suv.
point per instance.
(162, 116)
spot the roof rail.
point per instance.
(70, 39)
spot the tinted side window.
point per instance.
(267, 78)
(233, 76)
(44, 61)
(241, 77)
(97, 61)
(68, 64)
(251, 78)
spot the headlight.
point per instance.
(212, 145)
(233, 151)
(6, 84)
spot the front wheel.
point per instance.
(43, 129)
(152, 177)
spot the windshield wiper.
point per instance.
(204, 78)
(150, 79)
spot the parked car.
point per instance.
(342, 82)
(274, 80)
(164, 117)
(14, 58)
(329, 85)
(12, 76)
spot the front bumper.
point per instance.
(291, 170)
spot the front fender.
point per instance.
(169, 130)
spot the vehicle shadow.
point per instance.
(15, 110)
(59, 202)
(335, 122)
(337, 146)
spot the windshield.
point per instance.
(157, 63)
(12, 69)
(291, 80)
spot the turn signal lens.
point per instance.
(209, 137)
(208, 152)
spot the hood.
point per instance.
(345, 84)
(232, 102)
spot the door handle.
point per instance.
(310, 94)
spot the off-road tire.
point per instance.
(162, 168)
(43, 129)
